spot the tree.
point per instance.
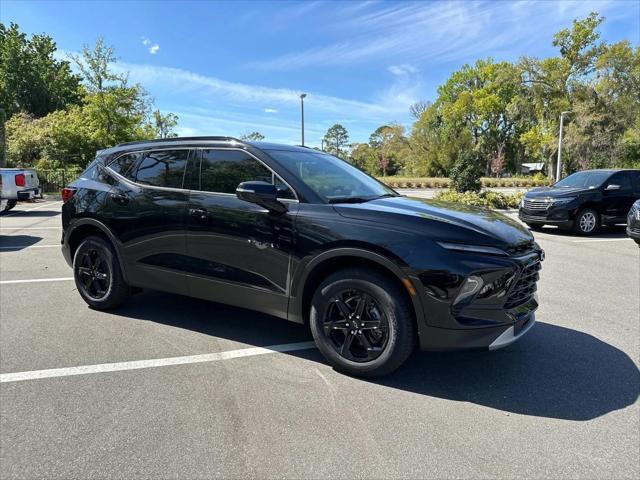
(390, 146)
(32, 80)
(164, 124)
(252, 136)
(335, 139)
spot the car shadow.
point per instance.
(30, 214)
(617, 231)
(553, 372)
(15, 243)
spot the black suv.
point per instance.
(302, 235)
(583, 201)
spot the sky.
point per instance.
(229, 68)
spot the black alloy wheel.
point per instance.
(362, 322)
(97, 274)
(355, 326)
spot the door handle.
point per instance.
(200, 213)
(120, 198)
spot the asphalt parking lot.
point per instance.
(560, 403)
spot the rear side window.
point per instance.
(162, 168)
(222, 170)
(123, 163)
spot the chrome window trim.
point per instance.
(171, 189)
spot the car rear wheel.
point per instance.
(587, 222)
(362, 323)
(97, 274)
(10, 205)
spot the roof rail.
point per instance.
(178, 139)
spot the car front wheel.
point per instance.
(587, 222)
(362, 323)
(97, 274)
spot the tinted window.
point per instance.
(221, 171)
(123, 163)
(621, 179)
(635, 177)
(163, 168)
(586, 179)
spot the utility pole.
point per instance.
(559, 166)
(302, 96)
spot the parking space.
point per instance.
(223, 392)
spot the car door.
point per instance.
(147, 211)
(238, 251)
(618, 196)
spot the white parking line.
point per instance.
(29, 228)
(26, 247)
(158, 362)
(30, 209)
(37, 280)
(602, 240)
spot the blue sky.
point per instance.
(226, 68)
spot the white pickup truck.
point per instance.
(18, 184)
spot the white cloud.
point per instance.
(270, 110)
(404, 69)
(153, 47)
(436, 32)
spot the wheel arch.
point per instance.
(305, 284)
(85, 227)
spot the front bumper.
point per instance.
(633, 231)
(561, 215)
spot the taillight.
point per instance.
(20, 182)
(67, 193)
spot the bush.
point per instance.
(487, 199)
(465, 173)
(486, 182)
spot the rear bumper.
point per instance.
(28, 194)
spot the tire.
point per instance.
(386, 335)
(637, 240)
(10, 205)
(535, 226)
(97, 274)
(587, 222)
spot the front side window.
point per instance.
(162, 168)
(332, 179)
(221, 171)
(621, 179)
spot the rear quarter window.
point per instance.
(123, 163)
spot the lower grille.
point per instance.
(526, 285)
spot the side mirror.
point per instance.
(612, 186)
(261, 193)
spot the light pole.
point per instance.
(559, 166)
(302, 114)
(322, 144)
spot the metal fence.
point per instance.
(53, 181)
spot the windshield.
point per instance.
(334, 180)
(583, 180)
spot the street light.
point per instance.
(302, 96)
(559, 167)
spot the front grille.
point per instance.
(526, 286)
(536, 204)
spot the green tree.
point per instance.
(335, 140)
(32, 80)
(164, 124)
(252, 136)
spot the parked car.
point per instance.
(582, 201)
(3, 201)
(302, 235)
(633, 222)
(19, 184)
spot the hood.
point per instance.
(557, 192)
(452, 222)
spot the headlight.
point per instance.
(562, 201)
(468, 290)
(522, 202)
(472, 248)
